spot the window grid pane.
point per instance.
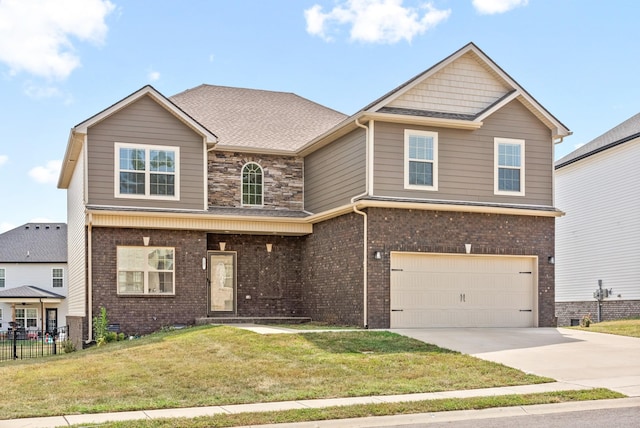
(421, 173)
(57, 277)
(509, 179)
(147, 172)
(509, 167)
(2, 277)
(143, 270)
(132, 183)
(252, 184)
(162, 184)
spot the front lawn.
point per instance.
(217, 365)
(630, 327)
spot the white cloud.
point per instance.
(374, 21)
(36, 35)
(48, 173)
(153, 76)
(39, 92)
(3, 159)
(490, 7)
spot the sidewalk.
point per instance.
(62, 421)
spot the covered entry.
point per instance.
(455, 290)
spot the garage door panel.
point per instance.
(462, 291)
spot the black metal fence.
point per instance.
(19, 344)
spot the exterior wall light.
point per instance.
(377, 255)
(551, 260)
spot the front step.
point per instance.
(252, 320)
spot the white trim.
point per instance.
(434, 135)
(146, 271)
(147, 172)
(261, 204)
(497, 141)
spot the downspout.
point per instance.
(365, 255)
(89, 281)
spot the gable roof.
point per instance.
(481, 88)
(257, 119)
(34, 243)
(78, 132)
(626, 131)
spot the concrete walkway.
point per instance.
(437, 337)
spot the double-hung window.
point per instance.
(147, 171)
(2, 277)
(27, 317)
(57, 277)
(421, 160)
(509, 167)
(252, 189)
(146, 270)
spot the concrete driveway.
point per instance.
(578, 357)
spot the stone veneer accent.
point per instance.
(283, 179)
(145, 314)
(268, 284)
(332, 270)
(611, 310)
(447, 232)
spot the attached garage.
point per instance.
(463, 290)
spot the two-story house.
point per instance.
(431, 206)
(33, 277)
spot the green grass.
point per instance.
(217, 365)
(629, 327)
(367, 410)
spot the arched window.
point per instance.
(251, 184)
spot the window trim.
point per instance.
(145, 280)
(54, 277)
(497, 141)
(242, 194)
(406, 160)
(147, 172)
(3, 277)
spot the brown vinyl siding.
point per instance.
(144, 122)
(335, 173)
(466, 159)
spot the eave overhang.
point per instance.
(260, 225)
(78, 133)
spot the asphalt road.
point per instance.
(610, 418)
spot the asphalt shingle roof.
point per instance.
(625, 131)
(34, 243)
(255, 118)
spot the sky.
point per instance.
(62, 61)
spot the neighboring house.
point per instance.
(33, 276)
(431, 206)
(598, 185)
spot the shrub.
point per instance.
(100, 327)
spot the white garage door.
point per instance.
(462, 291)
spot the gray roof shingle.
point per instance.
(29, 292)
(257, 119)
(34, 243)
(627, 130)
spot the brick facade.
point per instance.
(282, 182)
(319, 275)
(268, 284)
(447, 232)
(145, 314)
(572, 312)
(332, 271)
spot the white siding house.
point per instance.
(33, 276)
(598, 186)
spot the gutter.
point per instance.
(365, 253)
